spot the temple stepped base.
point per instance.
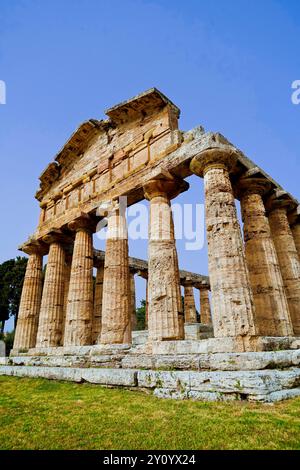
(259, 385)
(188, 369)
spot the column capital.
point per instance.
(187, 282)
(56, 236)
(83, 222)
(143, 273)
(280, 200)
(164, 185)
(33, 246)
(247, 185)
(214, 158)
(294, 216)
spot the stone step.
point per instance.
(266, 385)
(214, 362)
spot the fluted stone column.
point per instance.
(29, 309)
(190, 315)
(68, 262)
(296, 234)
(287, 257)
(97, 317)
(52, 306)
(116, 313)
(272, 316)
(294, 221)
(133, 301)
(78, 326)
(165, 318)
(205, 312)
(232, 299)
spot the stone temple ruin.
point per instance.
(70, 329)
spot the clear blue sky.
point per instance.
(228, 65)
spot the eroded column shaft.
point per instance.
(164, 299)
(78, 326)
(116, 314)
(190, 315)
(29, 310)
(67, 276)
(288, 262)
(97, 317)
(272, 317)
(296, 234)
(205, 312)
(232, 299)
(52, 306)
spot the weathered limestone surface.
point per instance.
(214, 361)
(52, 306)
(78, 326)
(257, 385)
(205, 312)
(27, 324)
(198, 331)
(97, 317)
(165, 316)
(117, 377)
(68, 263)
(246, 382)
(232, 297)
(272, 317)
(116, 302)
(288, 260)
(296, 234)
(190, 315)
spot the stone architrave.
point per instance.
(232, 298)
(116, 312)
(29, 309)
(272, 316)
(287, 255)
(78, 325)
(165, 316)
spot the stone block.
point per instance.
(2, 348)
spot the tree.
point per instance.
(141, 316)
(12, 274)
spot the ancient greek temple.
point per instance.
(246, 343)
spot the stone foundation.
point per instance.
(189, 369)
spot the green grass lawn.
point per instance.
(41, 414)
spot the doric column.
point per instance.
(190, 315)
(205, 313)
(287, 256)
(52, 306)
(78, 326)
(133, 301)
(97, 317)
(165, 320)
(68, 262)
(272, 317)
(294, 220)
(29, 309)
(116, 314)
(232, 299)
